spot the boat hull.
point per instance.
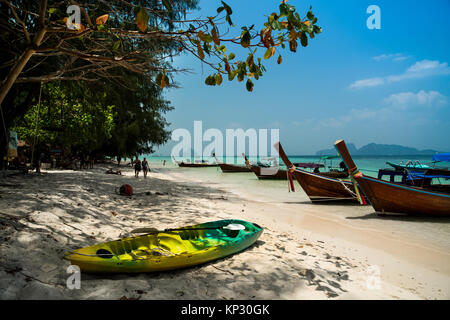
(321, 188)
(187, 248)
(391, 197)
(228, 168)
(269, 173)
(196, 165)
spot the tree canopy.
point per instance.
(129, 43)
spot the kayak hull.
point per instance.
(166, 250)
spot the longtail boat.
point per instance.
(317, 186)
(266, 172)
(228, 168)
(410, 165)
(387, 196)
(194, 165)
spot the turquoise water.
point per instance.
(369, 165)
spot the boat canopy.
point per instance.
(310, 165)
(441, 157)
(432, 173)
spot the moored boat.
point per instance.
(228, 168)
(317, 186)
(202, 164)
(266, 172)
(388, 196)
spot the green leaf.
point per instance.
(231, 75)
(277, 25)
(215, 36)
(206, 48)
(249, 85)
(231, 56)
(304, 39)
(158, 79)
(210, 81)
(219, 79)
(245, 38)
(142, 19)
(317, 29)
(268, 53)
(167, 4)
(52, 11)
(284, 9)
(116, 45)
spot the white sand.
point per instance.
(300, 255)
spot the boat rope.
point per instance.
(361, 199)
(347, 188)
(290, 173)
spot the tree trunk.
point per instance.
(14, 73)
(25, 57)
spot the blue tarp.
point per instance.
(441, 157)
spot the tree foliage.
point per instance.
(131, 41)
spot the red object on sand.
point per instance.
(126, 190)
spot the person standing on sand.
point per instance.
(137, 168)
(145, 167)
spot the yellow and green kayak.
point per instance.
(168, 249)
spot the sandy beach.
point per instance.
(305, 252)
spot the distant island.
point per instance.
(374, 149)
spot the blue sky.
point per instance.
(389, 86)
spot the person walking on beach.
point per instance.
(137, 168)
(145, 167)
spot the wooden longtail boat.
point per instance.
(386, 196)
(317, 186)
(228, 168)
(266, 173)
(194, 165)
(415, 166)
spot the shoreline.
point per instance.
(298, 256)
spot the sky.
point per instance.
(389, 85)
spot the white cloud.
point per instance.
(352, 115)
(371, 82)
(420, 69)
(392, 109)
(406, 100)
(393, 56)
